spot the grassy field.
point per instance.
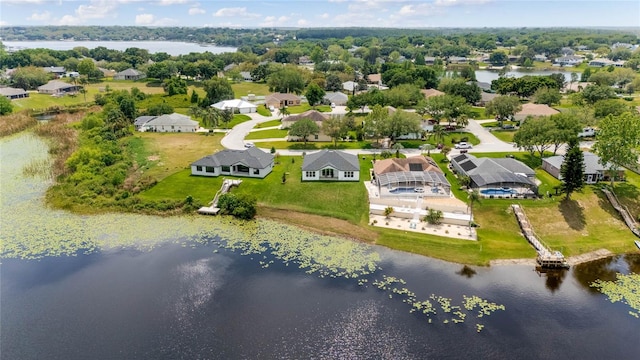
(268, 124)
(267, 134)
(163, 154)
(504, 135)
(306, 107)
(237, 119)
(478, 113)
(245, 88)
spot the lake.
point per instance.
(489, 75)
(173, 48)
(130, 286)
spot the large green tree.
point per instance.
(618, 141)
(217, 89)
(565, 127)
(304, 128)
(572, 169)
(5, 106)
(460, 87)
(535, 134)
(314, 94)
(503, 107)
(29, 77)
(335, 127)
(288, 79)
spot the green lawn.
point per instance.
(237, 119)
(245, 88)
(267, 134)
(264, 111)
(313, 145)
(504, 135)
(268, 124)
(478, 113)
(306, 107)
(342, 200)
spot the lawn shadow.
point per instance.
(573, 214)
(605, 204)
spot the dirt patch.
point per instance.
(153, 158)
(321, 224)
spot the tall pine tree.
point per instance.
(572, 169)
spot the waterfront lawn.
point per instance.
(163, 154)
(341, 200)
(267, 134)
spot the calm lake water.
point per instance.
(172, 295)
(489, 75)
(173, 48)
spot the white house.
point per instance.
(336, 98)
(170, 123)
(594, 171)
(251, 162)
(236, 106)
(330, 165)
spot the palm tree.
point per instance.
(284, 111)
(438, 132)
(388, 211)
(472, 198)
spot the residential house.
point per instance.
(485, 97)
(535, 110)
(236, 106)
(129, 74)
(606, 62)
(107, 72)
(141, 120)
(350, 86)
(594, 171)
(582, 48)
(315, 116)
(568, 60)
(409, 177)
(251, 162)
(330, 165)
(55, 87)
(336, 98)
(496, 177)
(58, 71)
(540, 57)
(374, 79)
(13, 93)
(280, 100)
(429, 60)
(484, 86)
(229, 67)
(431, 92)
(246, 76)
(457, 60)
(170, 123)
(305, 61)
(567, 51)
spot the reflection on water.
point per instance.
(606, 269)
(553, 278)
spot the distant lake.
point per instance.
(173, 48)
(489, 75)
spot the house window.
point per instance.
(172, 127)
(348, 174)
(210, 169)
(256, 171)
(226, 168)
(241, 168)
(310, 174)
(198, 168)
(315, 137)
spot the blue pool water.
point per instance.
(402, 190)
(503, 191)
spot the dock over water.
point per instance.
(213, 208)
(546, 257)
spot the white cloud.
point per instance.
(196, 11)
(460, 2)
(144, 19)
(423, 9)
(151, 20)
(324, 16)
(98, 9)
(235, 12)
(303, 22)
(22, 2)
(43, 16)
(69, 20)
(3, 23)
(172, 2)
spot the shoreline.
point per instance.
(572, 261)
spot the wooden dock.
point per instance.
(546, 257)
(623, 211)
(213, 208)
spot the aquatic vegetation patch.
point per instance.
(434, 304)
(625, 289)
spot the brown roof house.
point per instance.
(431, 92)
(535, 110)
(315, 116)
(278, 100)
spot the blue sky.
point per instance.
(323, 13)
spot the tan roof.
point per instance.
(374, 78)
(537, 110)
(431, 92)
(282, 96)
(314, 115)
(399, 165)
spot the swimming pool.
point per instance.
(402, 190)
(498, 191)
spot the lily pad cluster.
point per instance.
(625, 289)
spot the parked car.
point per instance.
(333, 105)
(249, 145)
(508, 127)
(463, 145)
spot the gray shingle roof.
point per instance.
(130, 72)
(55, 85)
(487, 171)
(591, 163)
(336, 159)
(7, 91)
(172, 119)
(141, 120)
(252, 157)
